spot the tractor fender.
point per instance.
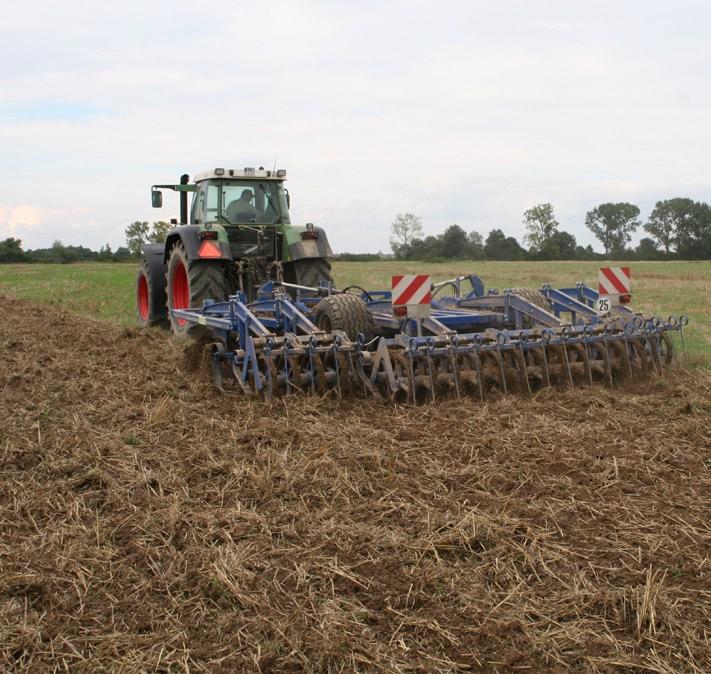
(154, 255)
(189, 236)
(318, 247)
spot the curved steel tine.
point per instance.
(587, 332)
(267, 354)
(625, 334)
(683, 321)
(336, 365)
(564, 338)
(608, 360)
(453, 343)
(430, 346)
(313, 341)
(477, 362)
(522, 339)
(412, 347)
(218, 355)
(286, 370)
(647, 328)
(545, 338)
(501, 339)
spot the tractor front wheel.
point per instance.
(188, 284)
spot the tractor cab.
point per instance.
(240, 197)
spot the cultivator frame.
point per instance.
(474, 343)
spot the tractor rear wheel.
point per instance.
(150, 298)
(188, 284)
(347, 313)
(310, 271)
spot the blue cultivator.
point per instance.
(295, 339)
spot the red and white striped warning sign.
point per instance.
(411, 289)
(613, 281)
(412, 295)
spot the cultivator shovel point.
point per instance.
(473, 345)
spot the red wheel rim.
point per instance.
(142, 297)
(181, 290)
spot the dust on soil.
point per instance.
(147, 524)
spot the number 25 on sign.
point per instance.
(603, 305)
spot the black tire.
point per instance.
(150, 298)
(188, 284)
(308, 272)
(347, 313)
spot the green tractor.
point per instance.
(236, 236)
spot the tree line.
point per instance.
(678, 228)
(11, 251)
(137, 233)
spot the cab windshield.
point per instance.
(253, 202)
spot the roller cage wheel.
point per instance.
(148, 313)
(532, 295)
(345, 312)
(188, 284)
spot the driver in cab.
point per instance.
(241, 210)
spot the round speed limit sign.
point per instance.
(603, 305)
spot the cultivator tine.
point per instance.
(453, 343)
(608, 358)
(683, 322)
(428, 350)
(522, 339)
(477, 364)
(587, 333)
(546, 335)
(626, 331)
(500, 341)
(564, 336)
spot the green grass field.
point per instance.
(106, 291)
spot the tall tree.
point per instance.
(541, 225)
(693, 233)
(455, 243)
(138, 233)
(476, 245)
(613, 225)
(668, 219)
(136, 236)
(498, 246)
(403, 230)
(11, 250)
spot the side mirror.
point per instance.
(157, 199)
(288, 199)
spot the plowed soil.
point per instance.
(149, 525)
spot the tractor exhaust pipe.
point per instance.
(184, 180)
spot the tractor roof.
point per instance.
(248, 173)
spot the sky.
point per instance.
(464, 112)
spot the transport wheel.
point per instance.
(345, 312)
(308, 272)
(188, 284)
(150, 298)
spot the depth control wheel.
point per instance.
(345, 312)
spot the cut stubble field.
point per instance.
(148, 524)
(106, 291)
